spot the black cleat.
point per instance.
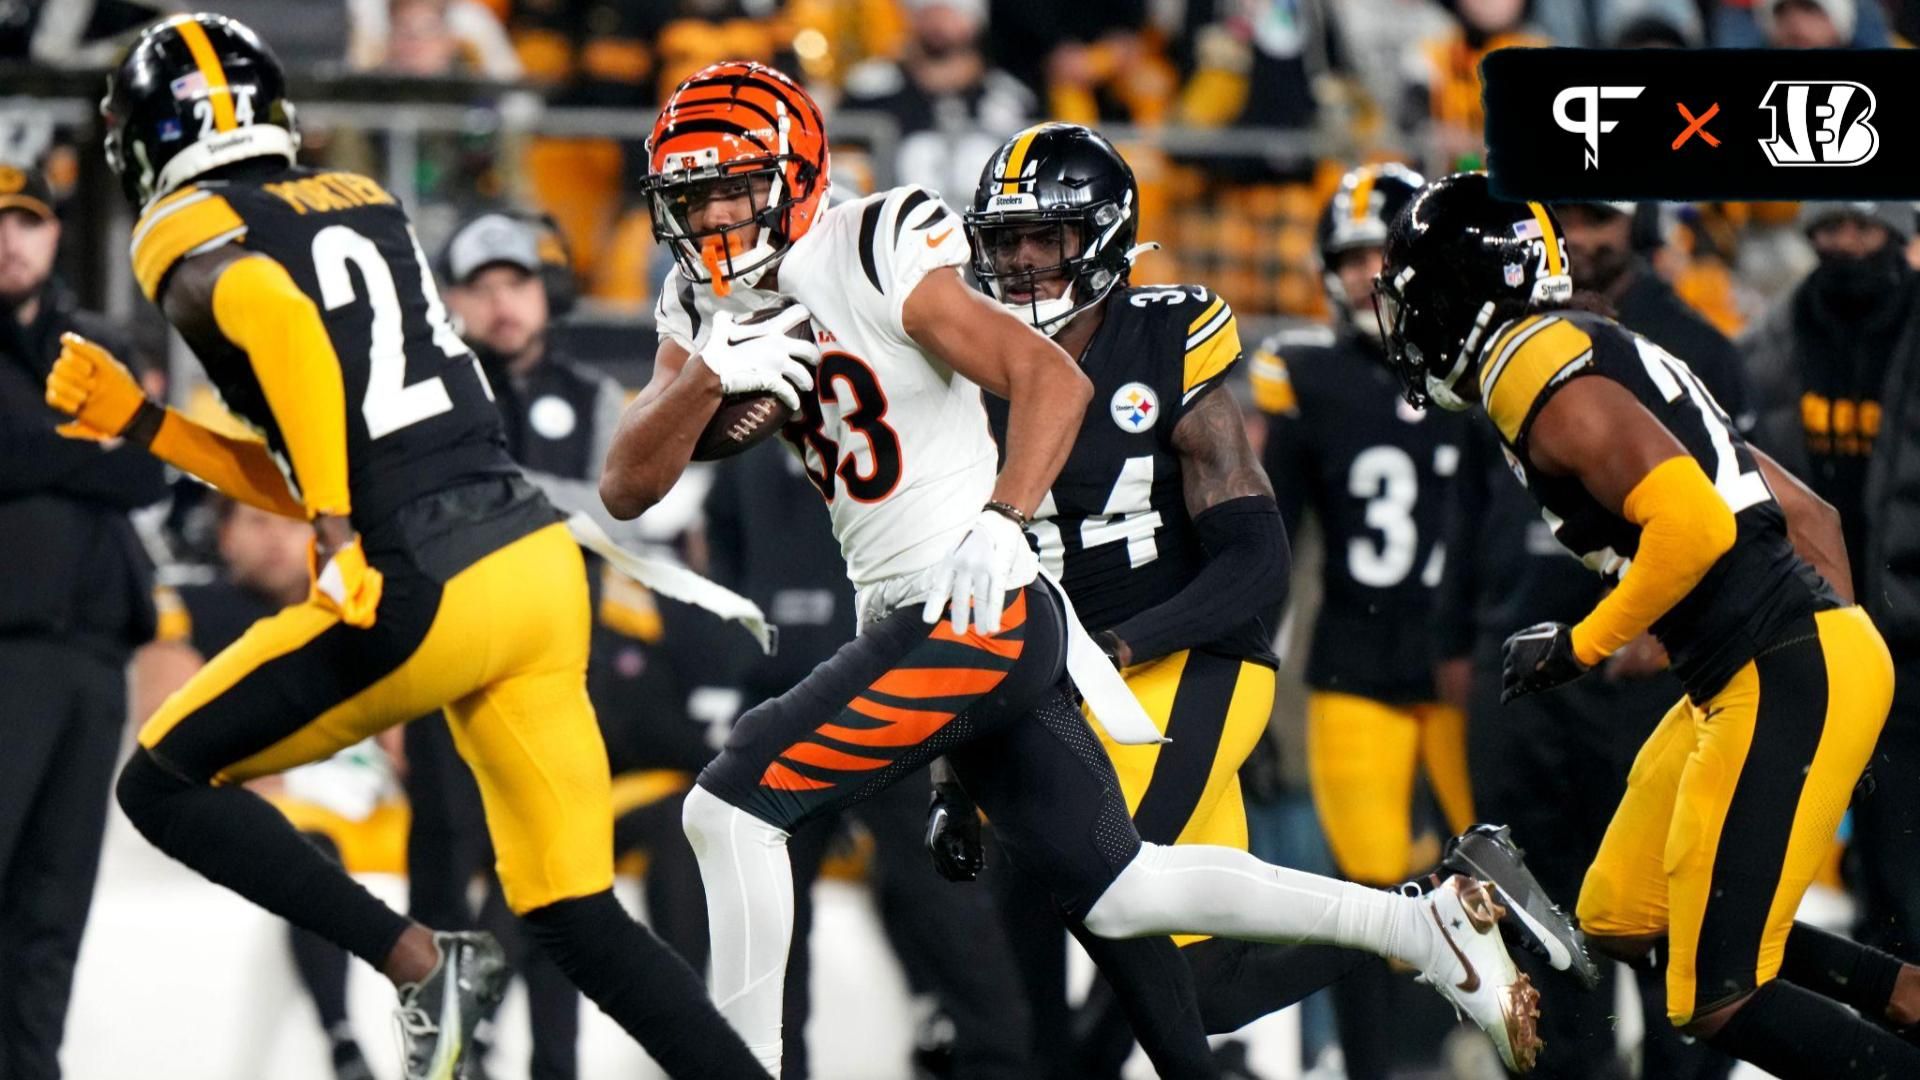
(1488, 852)
(437, 1015)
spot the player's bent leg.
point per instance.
(295, 687)
(1623, 899)
(886, 704)
(1361, 759)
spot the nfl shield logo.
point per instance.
(1515, 274)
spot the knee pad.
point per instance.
(144, 786)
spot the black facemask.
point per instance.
(1857, 285)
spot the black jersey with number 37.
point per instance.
(419, 414)
(1756, 589)
(1114, 527)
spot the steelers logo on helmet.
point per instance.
(735, 134)
(1053, 222)
(1135, 407)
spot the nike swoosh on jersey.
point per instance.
(934, 241)
(1472, 982)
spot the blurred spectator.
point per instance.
(1094, 59)
(1834, 367)
(429, 38)
(71, 33)
(75, 599)
(953, 110)
(1255, 64)
(348, 805)
(1651, 24)
(1443, 77)
(1753, 24)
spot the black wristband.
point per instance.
(145, 424)
(1009, 511)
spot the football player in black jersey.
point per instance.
(1741, 573)
(440, 576)
(1161, 527)
(1375, 473)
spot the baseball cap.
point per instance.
(26, 189)
(1840, 12)
(490, 239)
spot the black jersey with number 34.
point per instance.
(1114, 527)
(419, 414)
(1756, 589)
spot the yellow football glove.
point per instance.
(88, 384)
(346, 585)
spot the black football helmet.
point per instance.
(1069, 177)
(1459, 263)
(193, 93)
(1357, 216)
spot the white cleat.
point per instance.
(1472, 970)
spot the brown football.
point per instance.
(745, 419)
(741, 421)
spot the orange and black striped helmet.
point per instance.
(194, 93)
(720, 130)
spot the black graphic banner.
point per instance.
(1703, 124)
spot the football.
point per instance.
(743, 420)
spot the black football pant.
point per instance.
(447, 849)
(1554, 766)
(62, 709)
(1885, 851)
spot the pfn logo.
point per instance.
(1825, 123)
(1589, 125)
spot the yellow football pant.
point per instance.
(502, 646)
(1215, 710)
(1361, 758)
(1732, 805)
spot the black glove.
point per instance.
(1109, 643)
(1539, 658)
(953, 834)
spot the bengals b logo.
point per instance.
(1820, 123)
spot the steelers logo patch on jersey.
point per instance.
(1135, 407)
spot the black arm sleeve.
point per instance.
(1246, 575)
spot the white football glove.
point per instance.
(759, 357)
(992, 558)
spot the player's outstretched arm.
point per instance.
(1813, 525)
(1233, 510)
(1596, 430)
(1046, 393)
(106, 402)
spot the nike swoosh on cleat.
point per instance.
(1557, 952)
(1472, 981)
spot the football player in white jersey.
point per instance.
(963, 649)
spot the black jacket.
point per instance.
(72, 566)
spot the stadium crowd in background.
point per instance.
(1239, 118)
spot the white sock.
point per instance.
(749, 885)
(1198, 889)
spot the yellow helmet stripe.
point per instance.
(1547, 234)
(204, 58)
(1017, 160)
(1362, 194)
